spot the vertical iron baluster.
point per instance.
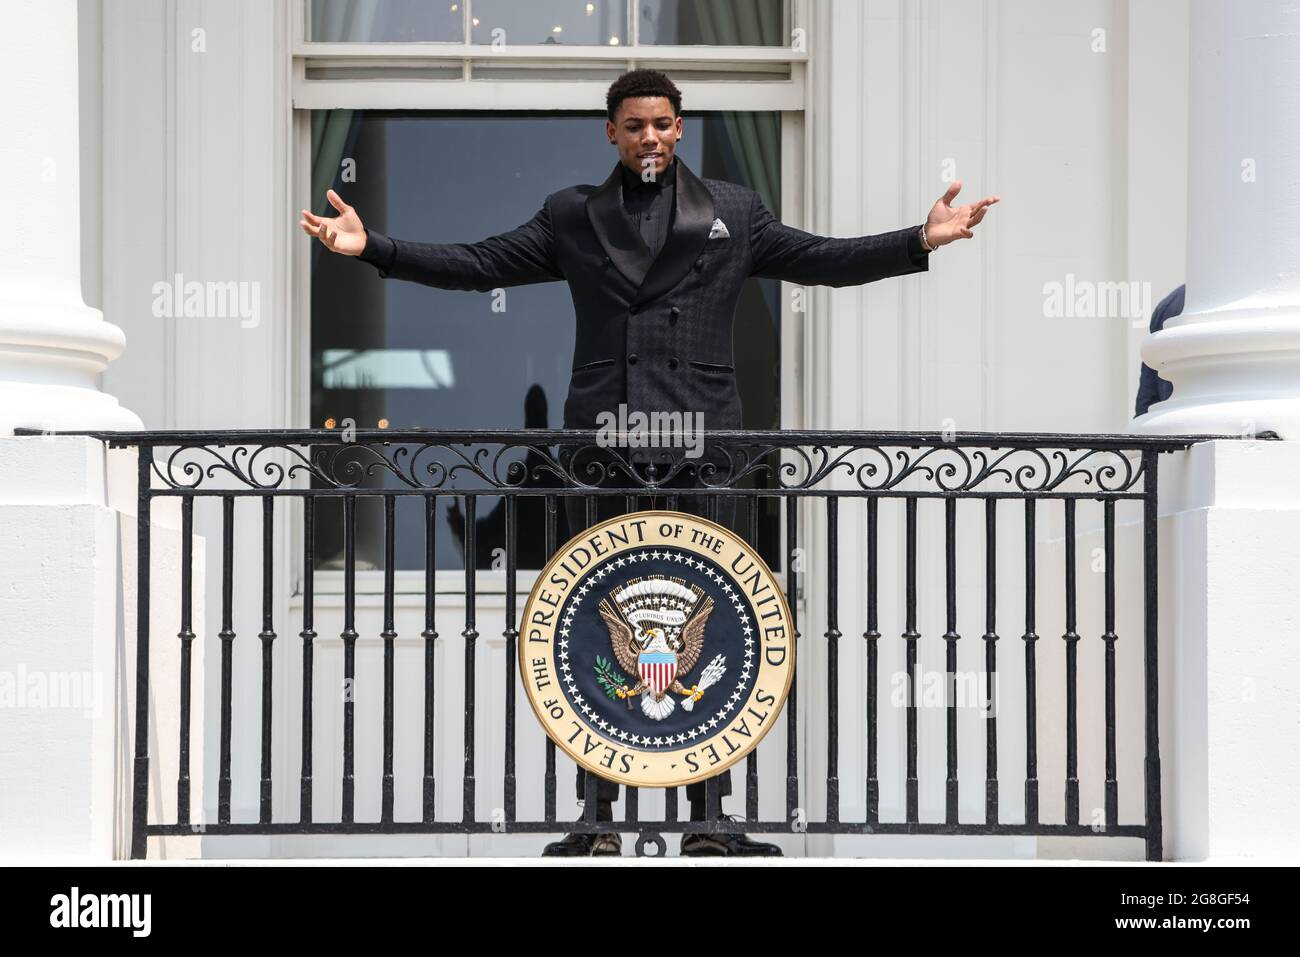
(267, 635)
(1071, 639)
(470, 634)
(1150, 570)
(549, 781)
(511, 635)
(389, 636)
(186, 636)
(910, 636)
(1031, 688)
(430, 636)
(590, 782)
(140, 766)
(1109, 636)
(631, 796)
(670, 794)
(308, 634)
(990, 661)
(751, 761)
(832, 660)
(349, 636)
(227, 636)
(950, 638)
(872, 637)
(712, 787)
(792, 560)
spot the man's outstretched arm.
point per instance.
(783, 252)
(523, 255)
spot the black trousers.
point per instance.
(611, 506)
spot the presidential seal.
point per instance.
(656, 649)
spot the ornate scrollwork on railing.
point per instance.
(186, 466)
(762, 460)
(935, 468)
(1025, 470)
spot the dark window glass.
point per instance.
(572, 22)
(381, 21)
(751, 23)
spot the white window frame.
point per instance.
(786, 94)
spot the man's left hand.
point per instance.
(947, 223)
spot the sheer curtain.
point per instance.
(756, 136)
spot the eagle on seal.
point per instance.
(656, 629)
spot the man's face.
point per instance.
(645, 132)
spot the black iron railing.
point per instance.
(759, 471)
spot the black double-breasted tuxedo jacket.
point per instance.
(654, 332)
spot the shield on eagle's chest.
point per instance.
(658, 669)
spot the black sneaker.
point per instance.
(726, 845)
(585, 845)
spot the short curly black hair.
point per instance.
(642, 83)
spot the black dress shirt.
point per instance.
(650, 204)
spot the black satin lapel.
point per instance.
(691, 226)
(615, 231)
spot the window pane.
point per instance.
(750, 23)
(381, 21)
(431, 358)
(575, 22)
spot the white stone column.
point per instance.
(60, 643)
(1230, 510)
(1234, 355)
(52, 346)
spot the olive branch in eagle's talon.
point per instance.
(611, 682)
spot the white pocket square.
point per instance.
(719, 230)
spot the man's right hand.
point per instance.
(343, 233)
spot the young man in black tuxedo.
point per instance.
(655, 258)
